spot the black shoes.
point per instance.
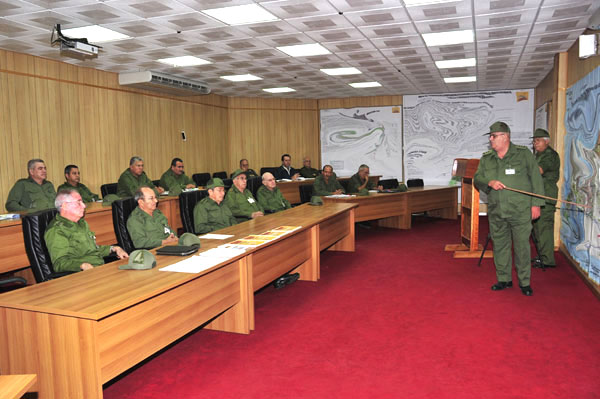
(500, 285)
(286, 280)
(527, 290)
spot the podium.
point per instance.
(469, 246)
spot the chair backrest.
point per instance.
(34, 227)
(254, 184)
(157, 183)
(220, 175)
(121, 209)
(108, 188)
(344, 183)
(201, 178)
(227, 183)
(414, 183)
(187, 202)
(306, 191)
(389, 184)
(270, 169)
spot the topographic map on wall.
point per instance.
(369, 135)
(580, 227)
(440, 128)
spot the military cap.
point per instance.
(236, 173)
(316, 200)
(540, 133)
(499, 127)
(140, 259)
(109, 199)
(189, 239)
(214, 182)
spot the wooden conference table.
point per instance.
(80, 331)
(395, 209)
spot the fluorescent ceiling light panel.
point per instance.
(465, 62)
(412, 3)
(341, 71)
(184, 61)
(361, 85)
(94, 34)
(448, 38)
(462, 79)
(241, 15)
(279, 90)
(241, 78)
(304, 50)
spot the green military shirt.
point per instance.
(249, 173)
(322, 187)
(148, 231)
(128, 184)
(309, 172)
(70, 244)
(549, 161)
(272, 201)
(174, 183)
(355, 182)
(518, 170)
(86, 194)
(210, 216)
(27, 195)
(242, 205)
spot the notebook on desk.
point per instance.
(177, 250)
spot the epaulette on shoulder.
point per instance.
(521, 147)
(489, 152)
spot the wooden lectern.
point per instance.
(469, 212)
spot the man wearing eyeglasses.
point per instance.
(269, 196)
(71, 244)
(148, 227)
(510, 213)
(240, 200)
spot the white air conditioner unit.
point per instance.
(163, 83)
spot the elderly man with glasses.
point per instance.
(148, 227)
(240, 200)
(269, 196)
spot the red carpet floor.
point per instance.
(399, 318)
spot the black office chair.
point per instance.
(271, 169)
(254, 184)
(157, 183)
(10, 283)
(227, 183)
(389, 184)
(121, 209)
(34, 227)
(187, 202)
(306, 191)
(201, 178)
(108, 188)
(344, 184)
(220, 175)
(414, 183)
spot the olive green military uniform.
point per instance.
(128, 184)
(309, 172)
(148, 231)
(509, 212)
(210, 216)
(322, 187)
(355, 182)
(27, 195)
(70, 244)
(272, 201)
(543, 227)
(242, 205)
(174, 183)
(86, 193)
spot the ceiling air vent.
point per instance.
(163, 83)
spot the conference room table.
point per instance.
(82, 330)
(291, 189)
(395, 209)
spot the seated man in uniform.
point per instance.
(285, 171)
(33, 193)
(148, 227)
(326, 183)
(211, 213)
(270, 197)
(307, 171)
(359, 182)
(71, 244)
(175, 180)
(240, 200)
(133, 178)
(245, 167)
(73, 181)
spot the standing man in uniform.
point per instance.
(549, 164)
(174, 180)
(33, 193)
(73, 181)
(510, 213)
(71, 244)
(307, 171)
(211, 213)
(148, 227)
(133, 178)
(269, 196)
(326, 183)
(240, 200)
(359, 182)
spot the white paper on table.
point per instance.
(340, 196)
(222, 252)
(211, 236)
(193, 264)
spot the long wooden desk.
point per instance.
(291, 189)
(15, 386)
(82, 330)
(395, 209)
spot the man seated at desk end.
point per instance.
(71, 244)
(148, 227)
(359, 182)
(269, 195)
(307, 171)
(327, 184)
(133, 178)
(33, 193)
(174, 180)
(73, 181)
(245, 167)
(240, 200)
(211, 213)
(285, 171)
